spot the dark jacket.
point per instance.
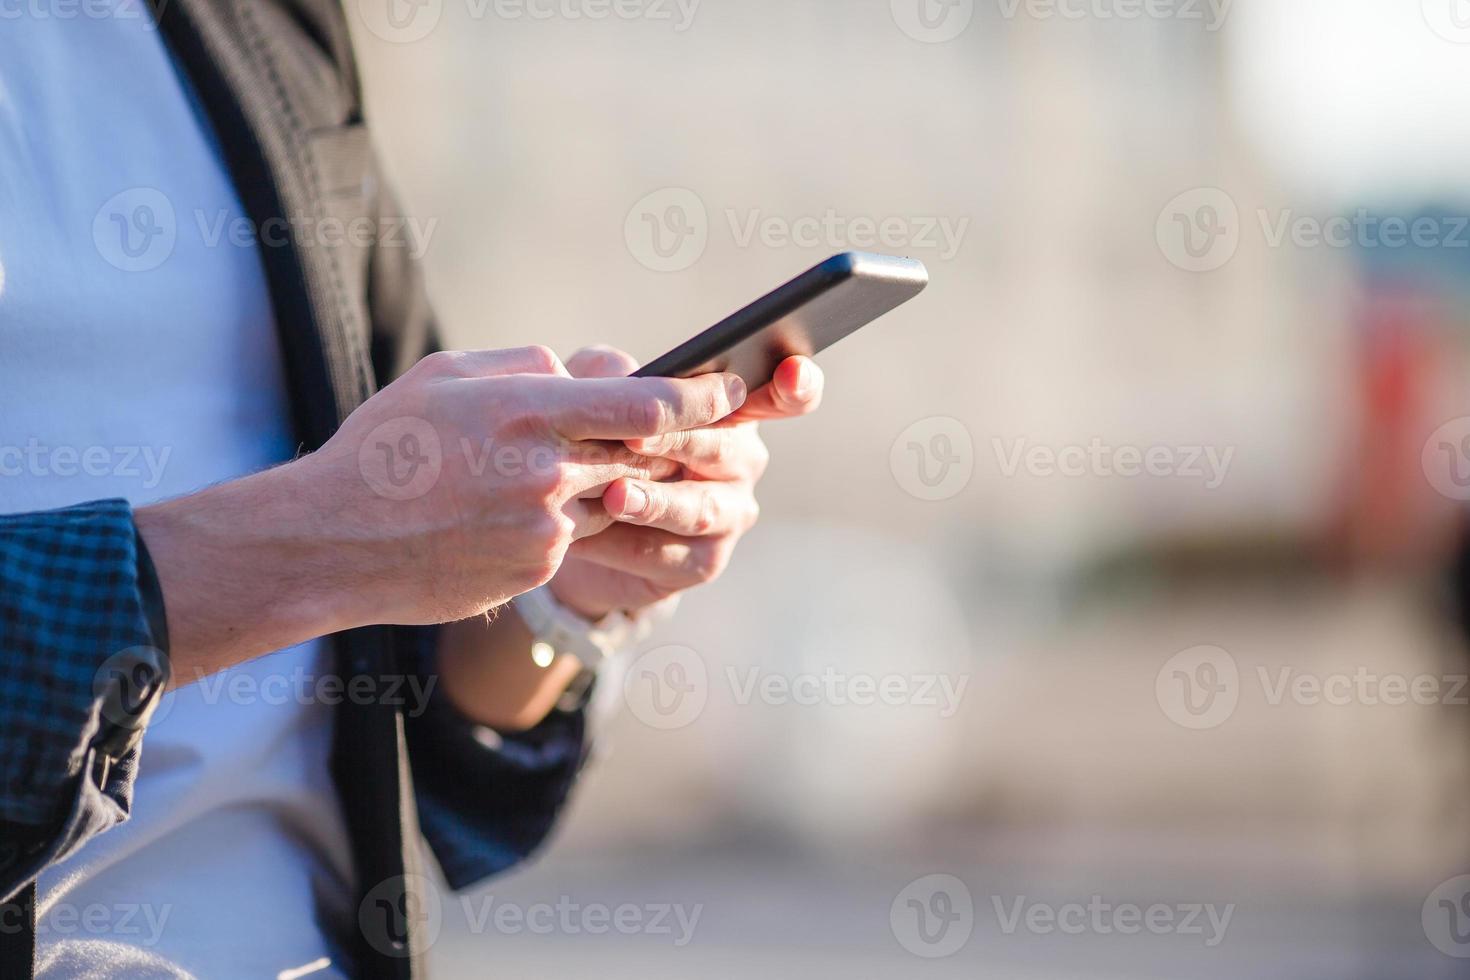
(80, 651)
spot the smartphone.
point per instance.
(808, 314)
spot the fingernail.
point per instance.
(648, 446)
(735, 389)
(803, 387)
(635, 501)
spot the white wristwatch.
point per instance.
(558, 630)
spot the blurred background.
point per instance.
(1109, 619)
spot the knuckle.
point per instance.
(708, 513)
(561, 477)
(715, 404)
(607, 362)
(553, 533)
(647, 415)
(545, 528)
(707, 562)
(544, 488)
(564, 532)
(545, 475)
(541, 358)
(440, 364)
(544, 570)
(761, 455)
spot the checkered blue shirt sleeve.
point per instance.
(78, 602)
(486, 801)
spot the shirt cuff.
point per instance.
(84, 639)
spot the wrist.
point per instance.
(244, 571)
(590, 612)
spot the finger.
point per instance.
(590, 467)
(490, 363)
(667, 559)
(589, 518)
(630, 408)
(795, 390)
(601, 362)
(600, 588)
(721, 452)
(695, 508)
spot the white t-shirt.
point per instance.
(139, 359)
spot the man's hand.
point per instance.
(673, 533)
(458, 486)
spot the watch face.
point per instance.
(543, 654)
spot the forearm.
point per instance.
(246, 568)
(487, 671)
